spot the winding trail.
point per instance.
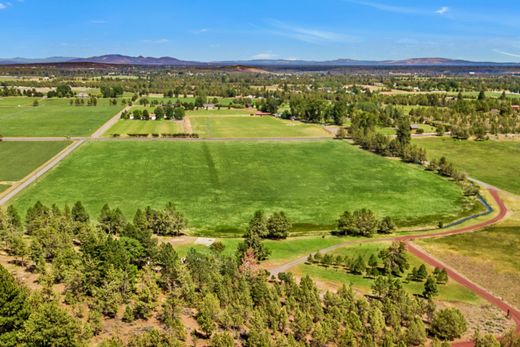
(508, 309)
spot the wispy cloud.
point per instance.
(515, 55)
(264, 55)
(308, 35)
(3, 6)
(442, 10)
(386, 7)
(415, 10)
(98, 21)
(156, 41)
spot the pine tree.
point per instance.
(359, 266)
(448, 324)
(422, 273)
(49, 325)
(416, 333)
(14, 309)
(278, 226)
(430, 288)
(79, 214)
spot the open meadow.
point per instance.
(253, 127)
(52, 117)
(18, 159)
(493, 162)
(219, 185)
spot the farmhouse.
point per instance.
(515, 107)
(209, 106)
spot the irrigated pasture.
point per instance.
(219, 185)
(493, 162)
(53, 117)
(257, 127)
(18, 159)
(125, 127)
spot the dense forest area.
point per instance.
(91, 273)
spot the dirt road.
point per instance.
(429, 259)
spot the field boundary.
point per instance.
(39, 172)
(108, 124)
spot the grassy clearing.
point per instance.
(256, 127)
(53, 117)
(281, 251)
(337, 276)
(143, 127)
(219, 185)
(493, 162)
(21, 158)
(4, 187)
(488, 257)
(392, 131)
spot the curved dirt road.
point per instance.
(427, 258)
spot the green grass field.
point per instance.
(281, 250)
(21, 158)
(337, 275)
(143, 127)
(256, 127)
(219, 185)
(53, 117)
(493, 162)
(3, 187)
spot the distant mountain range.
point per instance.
(118, 59)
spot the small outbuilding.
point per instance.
(261, 114)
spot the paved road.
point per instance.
(40, 172)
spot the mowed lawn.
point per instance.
(256, 127)
(219, 185)
(493, 162)
(53, 117)
(130, 126)
(490, 257)
(18, 159)
(336, 276)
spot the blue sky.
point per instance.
(249, 29)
